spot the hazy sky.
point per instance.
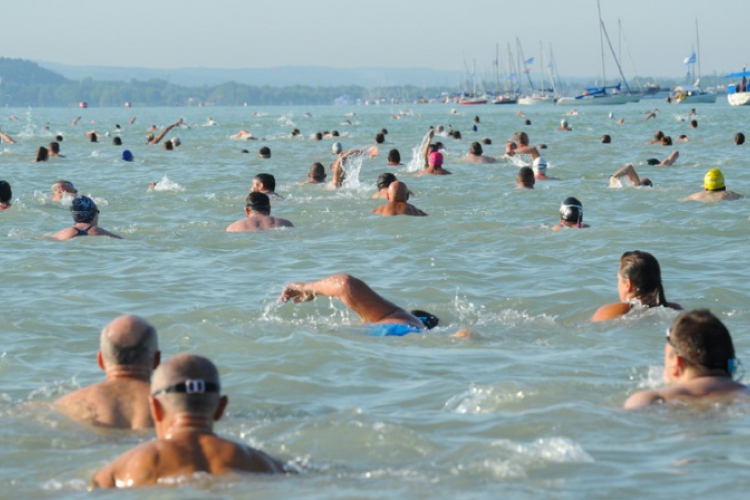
(437, 34)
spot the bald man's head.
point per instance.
(397, 191)
(187, 383)
(129, 340)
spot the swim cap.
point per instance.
(571, 210)
(83, 209)
(430, 321)
(539, 165)
(435, 159)
(564, 123)
(176, 141)
(336, 148)
(127, 155)
(385, 179)
(714, 180)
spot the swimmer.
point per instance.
(337, 167)
(666, 140)
(75, 121)
(433, 159)
(42, 154)
(525, 178)
(397, 197)
(264, 152)
(523, 146)
(571, 215)
(316, 175)
(6, 138)
(379, 138)
(739, 139)
(476, 155)
(266, 184)
(244, 135)
(651, 114)
(86, 218)
(638, 285)
(360, 298)
(693, 123)
(658, 135)
(117, 141)
(394, 158)
(699, 364)
(574, 112)
(128, 354)
(628, 172)
(258, 216)
(6, 196)
(384, 180)
(683, 138)
(63, 190)
(564, 125)
(666, 162)
(715, 189)
(127, 156)
(155, 140)
(606, 139)
(185, 402)
(539, 167)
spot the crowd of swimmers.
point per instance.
(181, 398)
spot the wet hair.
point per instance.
(318, 172)
(666, 141)
(93, 138)
(54, 147)
(6, 194)
(117, 141)
(384, 131)
(258, 202)
(476, 119)
(59, 138)
(571, 210)
(83, 209)
(385, 179)
(522, 137)
(658, 135)
(42, 154)
(380, 138)
(606, 139)
(703, 341)
(739, 138)
(644, 273)
(456, 135)
(476, 149)
(486, 141)
(268, 181)
(318, 136)
(295, 132)
(168, 146)
(335, 133)
(693, 123)
(430, 321)
(527, 122)
(526, 176)
(652, 161)
(264, 152)
(394, 156)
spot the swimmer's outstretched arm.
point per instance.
(353, 292)
(670, 159)
(165, 132)
(643, 399)
(426, 152)
(6, 138)
(630, 172)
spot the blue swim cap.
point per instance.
(83, 209)
(127, 155)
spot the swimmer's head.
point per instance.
(264, 182)
(476, 149)
(702, 341)
(739, 138)
(666, 141)
(563, 123)
(645, 181)
(336, 148)
(6, 194)
(117, 141)
(525, 177)
(606, 139)
(394, 156)
(258, 202)
(522, 138)
(127, 155)
(487, 141)
(398, 192)
(54, 147)
(435, 159)
(571, 210)
(714, 180)
(380, 138)
(430, 321)
(539, 166)
(264, 152)
(385, 179)
(62, 186)
(176, 141)
(83, 209)
(318, 172)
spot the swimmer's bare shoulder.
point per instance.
(611, 311)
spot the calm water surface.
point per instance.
(530, 408)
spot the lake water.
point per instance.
(530, 408)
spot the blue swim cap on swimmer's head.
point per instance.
(127, 155)
(430, 321)
(83, 209)
(571, 210)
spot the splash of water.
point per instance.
(417, 155)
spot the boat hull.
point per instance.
(695, 99)
(597, 100)
(739, 99)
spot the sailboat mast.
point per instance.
(698, 42)
(497, 68)
(601, 42)
(541, 63)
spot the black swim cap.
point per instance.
(571, 210)
(430, 321)
(653, 161)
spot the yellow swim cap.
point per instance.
(714, 180)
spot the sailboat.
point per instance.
(504, 97)
(692, 94)
(738, 94)
(537, 96)
(474, 97)
(599, 95)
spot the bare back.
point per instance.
(398, 208)
(258, 222)
(121, 404)
(182, 455)
(82, 229)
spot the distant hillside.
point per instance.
(22, 72)
(274, 77)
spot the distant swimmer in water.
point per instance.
(258, 216)
(571, 215)
(628, 173)
(638, 285)
(523, 146)
(666, 162)
(700, 365)
(739, 139)
(338, 167)
(565, 126)
(86, 218)
(398, 194)
(316, 175)
(6, 196)
(185, 402)
(128, 354)
(42, 154)
(658, 135)
(651, 114)
(264, 152)
(266, 184)
(394, 158)
(63, 190)
(683, 138)
(715, 189)
(606, 139)
(433, 158)
(244, 135)
(476, 155)
(384, 317)
(384, 180)
(539, 167)
(6, 138)
(525, 178)
(155, 140)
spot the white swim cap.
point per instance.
(336, 148)
(539, 165)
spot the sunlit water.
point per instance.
(531, 408)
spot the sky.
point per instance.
(657, 35)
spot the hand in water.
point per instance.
(296, 291)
